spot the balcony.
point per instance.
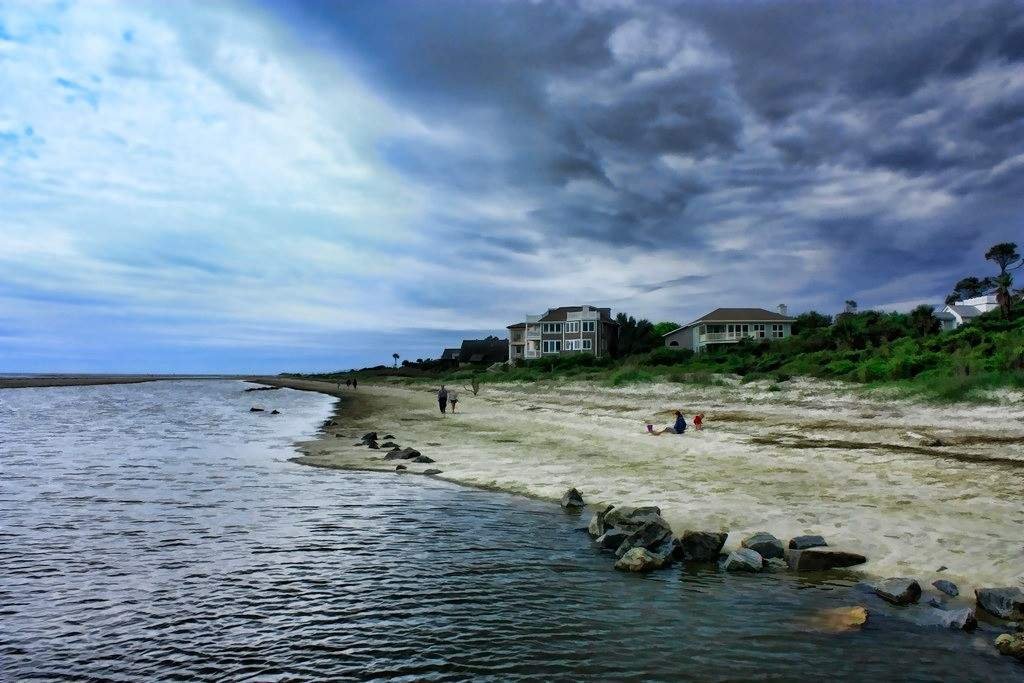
(720, 337)
(533, 335)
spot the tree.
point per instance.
(810, 321)
(635, 336)
(396, 357)
(923, 320)
(851, 306)
(968, 288)
(663, 328)
(1006, 256)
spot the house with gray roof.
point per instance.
(730, 325)
(956, 314)
(563, 330)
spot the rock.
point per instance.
(899, 591)
(572, 500)
(597, 526)
(775, 564)
(648, 536)
(839, 619)
(947, 587)
(626, 517)
(934, 443)
(275, 412)
(1011, 645)
(423, 459)
(638, 560)
(386, 436)
(960, 619)
(372, 444)
(937, 603)
(403, 454)
(612, 538)
(430, 472)
(1007, 603)
(370, 436)
(805, 542)
(389, 445)
(743, 560)
(400, 468)
(821, 558)
(766, 545)
(360, 443)
(700, 546)
(255, 409)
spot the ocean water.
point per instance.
(157, 531)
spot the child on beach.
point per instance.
(453, 398)
(698, 421)
(678, 428)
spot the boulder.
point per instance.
(959, 619)
(275, 412)
(899, 591)
(626, 517)
(805, 542)
(431, 472)
(612, 538)
(821, 558)
(648, 536)
(389, 445)
(423, 459)
(403, 454)
(1011, 645)
(255, 409)
(572, 500)
(370, 436)
(372, 444)
(839, 619)
(638, 560)
(947, 587)
(400, 468)
(597, 526)
(386, 436)
(766, 545)
(700, 546)
(1007, 603)
(743, 560)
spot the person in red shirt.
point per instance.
(698, 421)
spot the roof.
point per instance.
(450, 354)
(736, 315)
(517, 326)
(944, 315)
(964, 311)
(489, 350)
(560, 313)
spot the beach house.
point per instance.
(956, 314)
(563, 330)
(730, 325)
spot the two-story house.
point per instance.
(567, 329)
(728, 326)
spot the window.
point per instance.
(551, 328)
(573, 326)
(572, 344)
(552, 346)
(759, 330)
(777, 331)
(589, 325)
(588, 344)
(673, 343)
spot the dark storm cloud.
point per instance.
(868, 129)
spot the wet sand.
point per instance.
(915, 487)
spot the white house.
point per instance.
(728, 326)
(956, 314)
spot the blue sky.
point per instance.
(207, 187)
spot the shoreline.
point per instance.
(857, 493)
(42, 381)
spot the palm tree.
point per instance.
(395, 356)
(1006, 256)
(851, 306)
(923, 320)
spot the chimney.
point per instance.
(783, 309)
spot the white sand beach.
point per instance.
(865, 472)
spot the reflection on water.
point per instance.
(158, 530)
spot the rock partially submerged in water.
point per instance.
(572, 500)
(639, 560)
(947, 587)
(743, 560)
(369, 436)
(255, 409)
(632, 518)
(817, 559)
(597, 525)
(403, 454)
(1011, 645)
(275, 412)
(839, 619)
(612, 538)
(700, 546)
(766, 545)
(652, 534)
(423, 459)
(1006, 603)
(431, 472)
(805, 542)
(390, 445)
(899, 591)
(400, 468)
(962, 619)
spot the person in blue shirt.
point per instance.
(678, 428)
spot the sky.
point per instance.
(273, 186)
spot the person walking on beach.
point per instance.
(442, 398)
(453, 398)
(348, 383)
(355, 383)
(678, 428)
